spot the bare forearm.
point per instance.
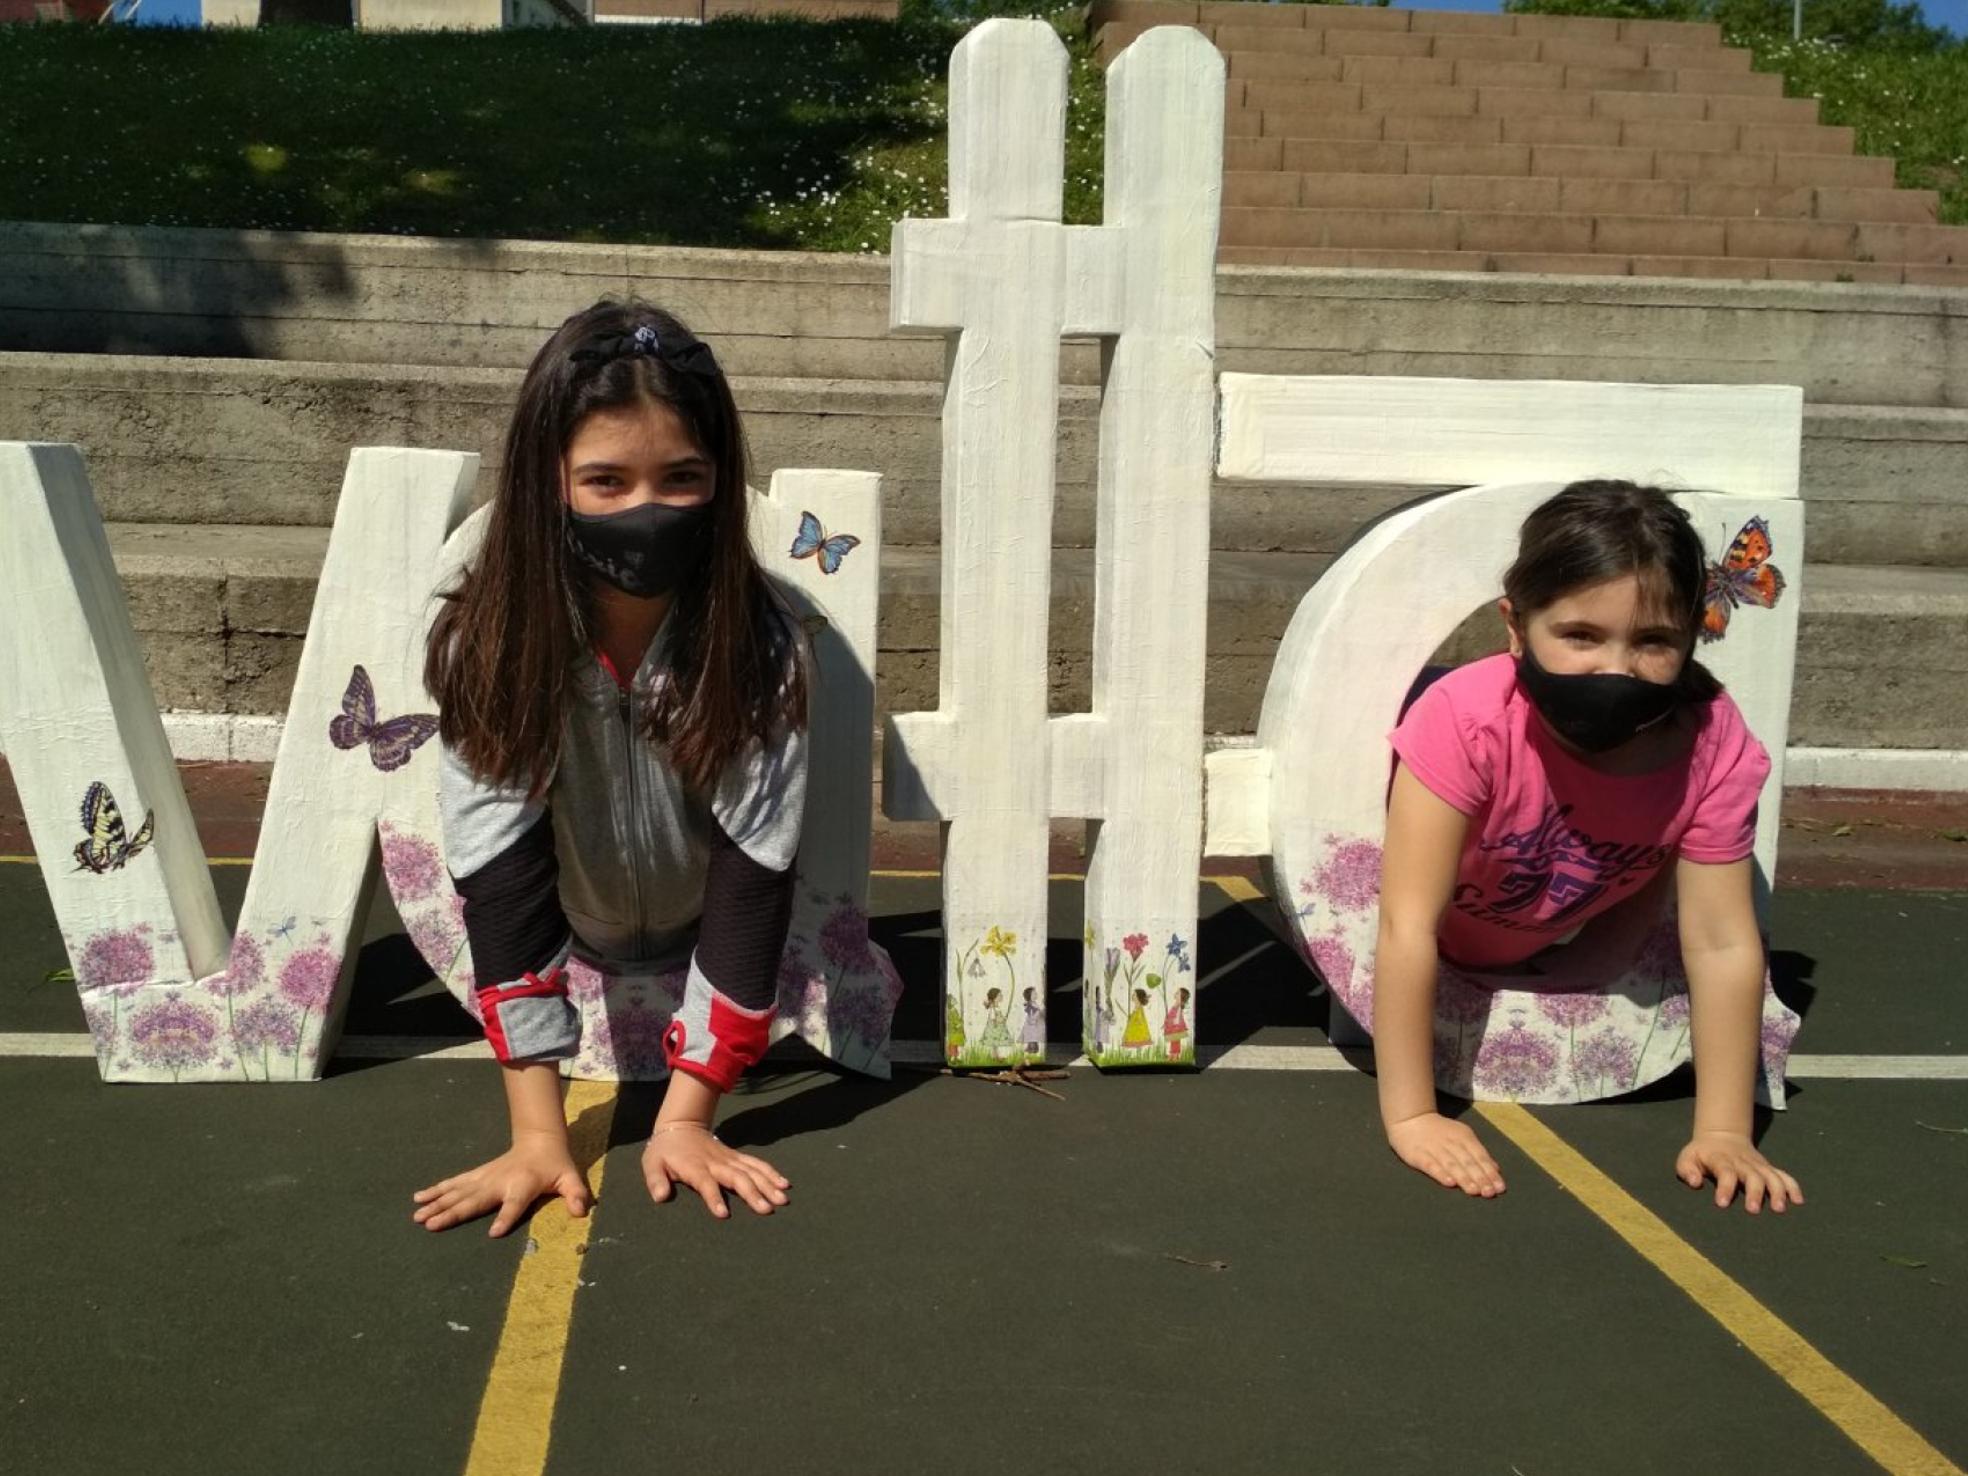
(1725, 998)
(533, 1100)
(1403, 1027)
(689, 1099)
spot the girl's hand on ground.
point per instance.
(687, 1153)
(510, 1184)
(1448, 1152)
(1733, 1162)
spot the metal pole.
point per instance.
(1797, 20)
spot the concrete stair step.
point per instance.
(1882, 653)
(1559, 263)
(292, 300)
(1554, 194)
(1259, 53)
(1681, 92)
(1566, 161)
(1507, 122)
(1627, 235)
(1395, 85)
(1432, 33)
(218, 443)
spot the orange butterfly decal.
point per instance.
(1744, 577)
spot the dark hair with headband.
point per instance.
(501, 652)
(1594, 531)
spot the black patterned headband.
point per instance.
(683, 354)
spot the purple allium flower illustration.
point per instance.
(308, 977)
(1776, 1036)
(1606, 1056)
(1515, 1062)
(802, 989)
(172, 1033)
(1334, 961)
(1113, 963)
(1460, 1001)
(636, 1033)
(118, 956)
(1135, 944)
(844, 938)
(584, 980)
(1660, 951)
(245, 968)
(102, 1024)
(1571, 1009)
(1178, 950)
(857, 1009)
(412, 864)
(267, 1024)
(1674, 1009)
(433, 935)
(1349, 881)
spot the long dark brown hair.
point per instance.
(1594, 531)
(502, 650)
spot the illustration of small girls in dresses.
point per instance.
(997, 1030)
(1034, 1033)
(954, 1038)
(1137, 1036)
(1175, 1027)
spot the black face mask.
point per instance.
(642, 551)
(1596, 712)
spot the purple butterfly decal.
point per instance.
(391, 742)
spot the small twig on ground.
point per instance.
(1013, 1076)
(1188, 1261)
(1017, 1076)
(1962, 1132)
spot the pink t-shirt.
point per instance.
(1553, 841)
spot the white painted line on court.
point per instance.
(72, 1045)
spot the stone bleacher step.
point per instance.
(174, 441)
(1502, 122)
(1882, 651)
(1586, 264)
(1378, 156)
(1139, 15)
(1585, 97)
(1495, 230)
(1263, 57)
(1558, 194)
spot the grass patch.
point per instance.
(777, 134)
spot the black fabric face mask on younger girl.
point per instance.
(1597, 711)
(643, 551)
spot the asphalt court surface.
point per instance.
(1160, 1272)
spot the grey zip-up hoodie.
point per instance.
(619, 864)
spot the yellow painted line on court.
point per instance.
(1867, 1423)
(1236, 888)
(515, 1419)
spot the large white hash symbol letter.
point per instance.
(1005, 280)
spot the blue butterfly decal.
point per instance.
(812, 542)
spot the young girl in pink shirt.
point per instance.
(1595, 780)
